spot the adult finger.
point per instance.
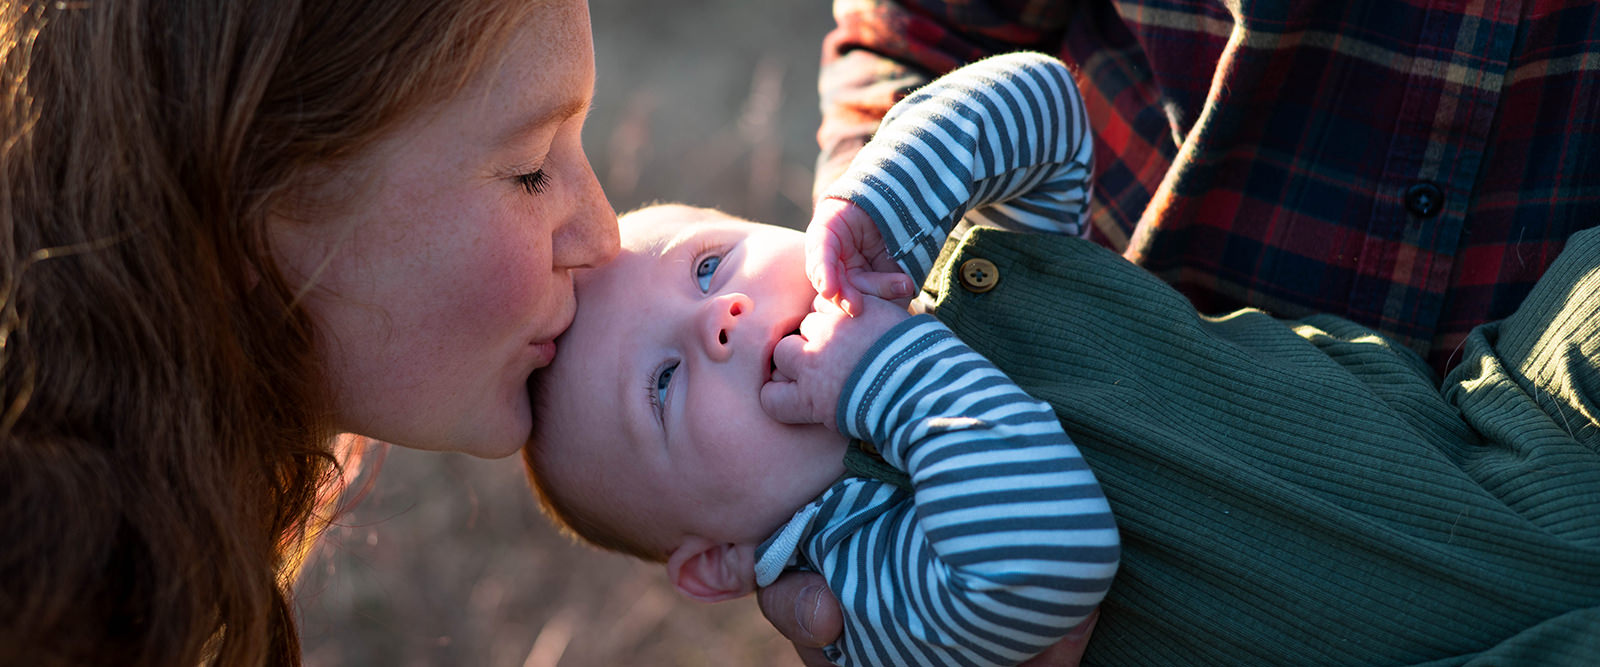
(802, 608)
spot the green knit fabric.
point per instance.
(863, 460)
(1302, 493)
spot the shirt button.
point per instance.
(1424, 200)
(979, 275)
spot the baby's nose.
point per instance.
(723, 314)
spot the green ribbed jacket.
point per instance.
(1303, 492)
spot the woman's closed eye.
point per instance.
(534, 182)
(660, 382)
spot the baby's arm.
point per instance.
(1009, 528)
(1009, 542)
(1003, 142)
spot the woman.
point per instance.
(235, 230)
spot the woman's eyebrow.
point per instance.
(560, 113)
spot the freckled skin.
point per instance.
(439, 286)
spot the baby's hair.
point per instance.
(573, 520)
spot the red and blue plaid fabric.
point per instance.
(1407, 164)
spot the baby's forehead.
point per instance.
(640, 221)
(654, 225)
(565, 396)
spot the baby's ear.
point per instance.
(712, 572)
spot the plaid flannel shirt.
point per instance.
(1407, 164)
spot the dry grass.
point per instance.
(447, 561)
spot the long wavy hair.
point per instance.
(164, 439)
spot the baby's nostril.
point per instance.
(722, 336)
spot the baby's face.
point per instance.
(654, 406)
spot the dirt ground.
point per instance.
(446, 560)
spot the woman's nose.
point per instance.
(588, 235)
(720, 316)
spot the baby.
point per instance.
(1296, 492)
(653, 439)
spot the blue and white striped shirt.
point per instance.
(1005, 541)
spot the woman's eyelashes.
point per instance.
(704, 269)
(534, 182)
(659, 385)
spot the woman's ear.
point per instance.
(711, 571)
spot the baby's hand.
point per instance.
(813, 366)
(846, 257)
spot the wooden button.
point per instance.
(979, 275)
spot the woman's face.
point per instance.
(443, 279)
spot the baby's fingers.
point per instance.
(783, 402)
(821, 269)
(892, 286)
(825, 267)
(780, 396)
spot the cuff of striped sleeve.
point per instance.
(913, 246)
(1009, 131)
(884, 373)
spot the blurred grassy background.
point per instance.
(446, 560)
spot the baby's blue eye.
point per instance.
(663, 381)
(703, 271)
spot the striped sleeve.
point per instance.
(1009, 541)
(1003, 142)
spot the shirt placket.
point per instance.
(1456, 75)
